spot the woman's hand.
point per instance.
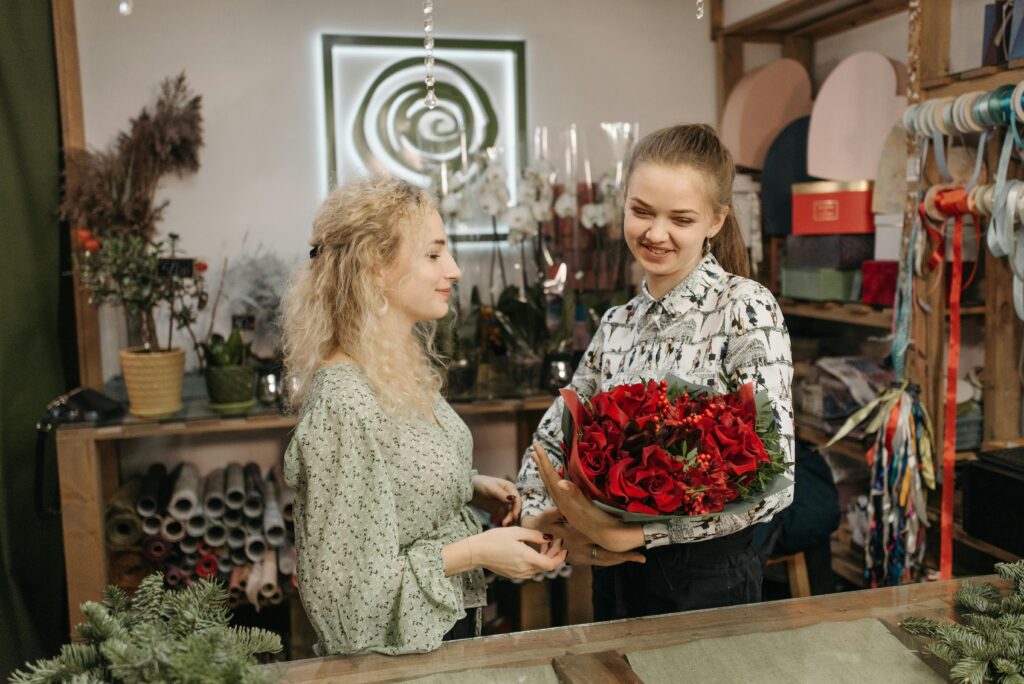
(498, 497)
(506, 551)
(601, 528)
(581, 551)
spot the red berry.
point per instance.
(92, 245)
(201, 266)
(83, 235)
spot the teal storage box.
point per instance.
(821, 284)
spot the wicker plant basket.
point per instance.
(233, 386)
(153, 380)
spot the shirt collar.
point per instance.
(692, 288)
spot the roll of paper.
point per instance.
(253, 525)
(277, 598)
(156, 548)
(150, 501)
(189, 544)
(123, 527)
(286, 559)
(151, 525)
(172, 529)
(216, 534)
(268, 581)
(287, 502)
(224, 564)
(238, 556)
(196, 524)
(213, 494)
(273, 523)
(253, 506)
(252, 585)
(174, 576)
(255, 547)
(186, 493)
(207, 565)
(233, 517)
(236, 537)
(234, 487)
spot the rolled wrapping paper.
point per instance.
(234, 487)
(216, 534)
(268, 580)
(233, 517)
(186, 493)
(236, 538)
(196, 524)
(253, 525)
(150, 503)
(236, 585)
(213, 494)
(172, 529)
(224, 564)
(277, 598)
(122, 526)
(207, 566)
(156, 548)
(273, 523)
(188, 544)
(286, 559)
(255, 547)
(238, 556)
(287, 502)
(252, 585)
(151, 525)
(253, 505)
(174, 576)
(127, 569)
(295, 580)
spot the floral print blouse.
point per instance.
(712, 324)
(376, 500)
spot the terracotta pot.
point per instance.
(153, 380)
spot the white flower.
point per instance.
(451, 203)
(608, 186)
(517, 235)
(518, 218)
(542, 168)
(541, 210)
(565, 205)
(490, 204)
(526, 192)
(494, 174)
(593, 216)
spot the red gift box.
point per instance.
(879, 282)
(832, 207)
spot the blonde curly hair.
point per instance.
(337, 300)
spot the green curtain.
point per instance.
(32, 596)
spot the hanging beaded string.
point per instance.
(700, 9)
(428, 44)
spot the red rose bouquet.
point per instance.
(671, 448)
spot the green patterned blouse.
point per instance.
(376, 500)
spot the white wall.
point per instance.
(257, 65)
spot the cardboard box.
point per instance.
(832, 208)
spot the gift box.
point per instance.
(842, 252)
(820, 284)
(832, 207)
(879, 282)
(888, 237)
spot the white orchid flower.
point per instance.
(565, 205)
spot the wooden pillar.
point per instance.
(728, 56)
(933, 44)
(72, 122)
(1001, 387)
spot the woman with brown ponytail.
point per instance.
(699, 317)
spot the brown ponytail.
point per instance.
(698, 146)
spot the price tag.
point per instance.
(170, 268)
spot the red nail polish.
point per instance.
(510, 497)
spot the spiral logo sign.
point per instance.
(376, 115)
(394, 131)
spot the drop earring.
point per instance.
(707, 246)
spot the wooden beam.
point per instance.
(605, 667)
(767, 19)
(802, 50)
(72, 123)
(934, 43)
(729, 63)
(1001, 389)
(849, 18)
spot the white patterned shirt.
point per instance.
(712, 324)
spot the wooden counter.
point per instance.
(563, 646)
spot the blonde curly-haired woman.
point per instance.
(389, 554)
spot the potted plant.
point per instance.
(230, 378)
(111, 195)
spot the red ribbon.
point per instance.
(952, 203)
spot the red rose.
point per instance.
(619, 485)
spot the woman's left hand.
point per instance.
(602, 528)
(498, 497)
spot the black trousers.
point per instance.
(464, 628)
(680, 577)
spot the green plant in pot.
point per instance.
(230, 377)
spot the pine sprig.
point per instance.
(158, 636)
(989, 646)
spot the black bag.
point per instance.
(80, 405)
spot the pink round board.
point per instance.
(760, 105)
(855, 111)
